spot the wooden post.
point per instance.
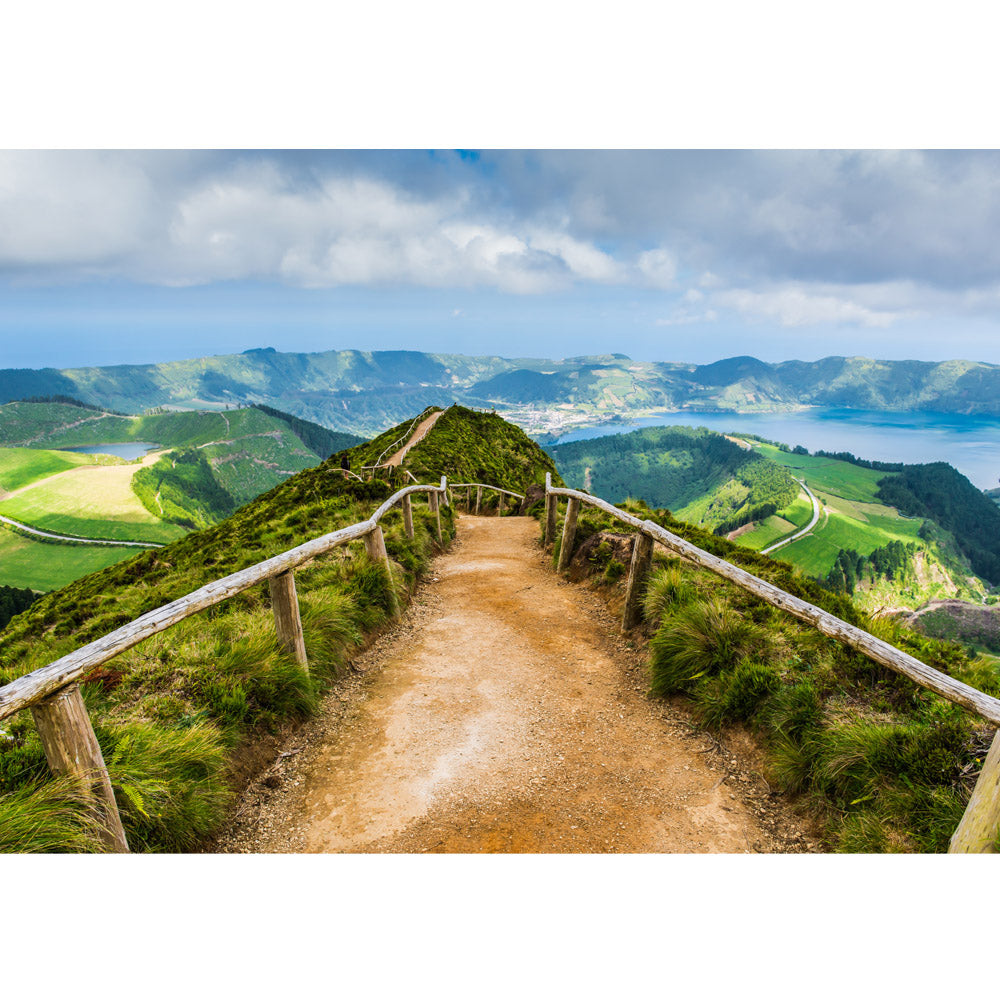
(479, 498)
(408, 515)
(375, 547)
(71, 748)
(500, 499)
(551, 512)
(569, 533)
(287, 623)
(979, 829)
(435, 505)
(642, 553)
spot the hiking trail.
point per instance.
(504, 712)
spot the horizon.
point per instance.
(508, 357)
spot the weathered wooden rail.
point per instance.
(980, 826)
(52, 692)
(479, 495)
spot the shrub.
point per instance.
(735, 695)
(666, 588)
(699, 639)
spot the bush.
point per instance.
(700, 639)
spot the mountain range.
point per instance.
(362, 392)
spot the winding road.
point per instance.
(817, 510)
(76, 538)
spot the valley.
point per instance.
(190, 470)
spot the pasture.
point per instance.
(92, 501)
(44, 566)
(19, 467)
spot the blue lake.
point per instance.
(128, 450)
(971, 444)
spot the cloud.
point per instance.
(794, 238)
(799, 307)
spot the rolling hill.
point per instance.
(362, 392)
(875, 537)
(202, 467)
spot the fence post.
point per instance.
(468, 499)
(444, 491)
(551, 512)
(479, 498)
(500, 500)
(71, 748)
(287, 622)
(434, 501)
(408, 515)
(979, 828)
(642, 553)
(569, 534)
(375, 547)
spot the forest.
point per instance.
(710, 479)
(892, 562)
(180, 488)
(942, 493)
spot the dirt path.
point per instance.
(505, 714)
(418, 435)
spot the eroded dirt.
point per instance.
(505, 713)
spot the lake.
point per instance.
(128, 450)
(971, 444)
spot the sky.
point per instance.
(680, 255)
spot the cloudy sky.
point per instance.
(142, 256)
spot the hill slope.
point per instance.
(171, 713)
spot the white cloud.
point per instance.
(798, 307)
(658, 267)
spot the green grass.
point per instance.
(816, 552)
(91, 502)
(21, 466)
(45, 566)
(840, 478)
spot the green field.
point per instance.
(817, 551)
(20, 467)
(772, 529)
(44, 566)
(852, 482)
(92, 501)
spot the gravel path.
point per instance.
(504, 713)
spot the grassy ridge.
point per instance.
(170, 712)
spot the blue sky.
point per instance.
(122, 257)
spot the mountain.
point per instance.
(361, 392)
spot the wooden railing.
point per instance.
(479, 495)
(52, 692)
(980, 826)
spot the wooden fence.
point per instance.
(980, 826)
(52, 692)
(479, 495)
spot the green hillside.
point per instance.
(171, 713)
(704, 477)
(210, 464)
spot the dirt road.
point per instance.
(506, 714)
